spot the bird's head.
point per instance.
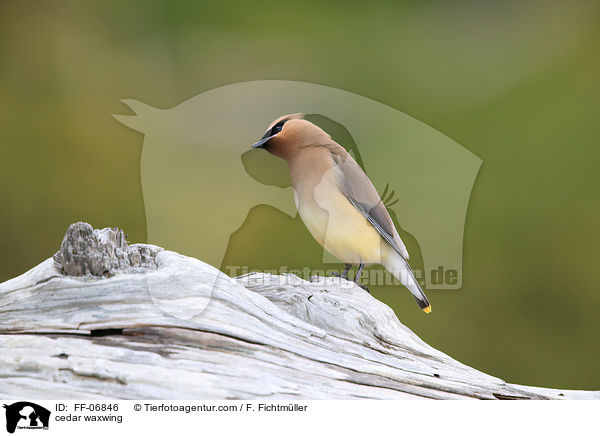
(290, 133)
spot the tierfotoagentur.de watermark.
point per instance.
(369, 277)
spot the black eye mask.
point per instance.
(275, 129)
(269, 134)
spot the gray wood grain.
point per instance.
(105, 319)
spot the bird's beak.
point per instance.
(261, 143)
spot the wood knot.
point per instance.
(101, 253)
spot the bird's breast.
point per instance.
(336, 224)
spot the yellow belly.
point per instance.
(340, 228)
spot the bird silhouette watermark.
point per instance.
(208, 196)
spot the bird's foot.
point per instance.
(364, 287)
(343, 275)
(336, 274)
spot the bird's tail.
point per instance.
(400, 269)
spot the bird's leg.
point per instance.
(357, 277)
(344, 273)
(358, 272)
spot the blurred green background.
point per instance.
(517, 83)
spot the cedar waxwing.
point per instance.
(337, 202)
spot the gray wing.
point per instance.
(359, 190)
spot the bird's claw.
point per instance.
(334, 274)
(344, 273)
(364, 287)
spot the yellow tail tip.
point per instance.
(427, 309)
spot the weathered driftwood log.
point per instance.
(105, 319)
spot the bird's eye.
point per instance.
(277, 128)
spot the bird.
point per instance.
(337, 201)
